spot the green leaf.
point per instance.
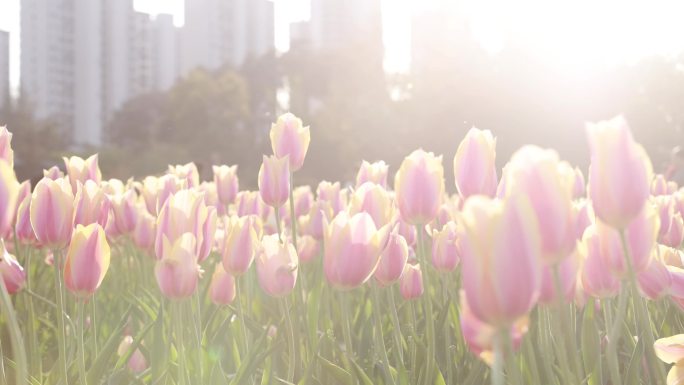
(99, 365)
(339, 374)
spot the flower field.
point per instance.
(530, 274)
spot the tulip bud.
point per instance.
(6, 152)
(501, 258)
(303, 200)
(475, 164)
(80, 170)
(274, 180)
(23, 229)
(177, 271)
(290, 137)
(597, 278)
(145, 231)
(276, 266)
(87, 260)
(392, 260)
(675, 233)
(659, 185)
(445, 248)
(187, 172)
(620, 172)
(23, 192)
(52, 212)
(374, 200)
(227, 184)
(352, 249)
(240, 246)
(9, 195)
(137, 362)
(53, 173)
(185, 212)
(407, 231)
(11, 272)
(331, 193)
(308, 248)
(222, 289)
(419, 187)
(372, 172)
(656, 280)
(250, 203)
(92, 205)
(411, 282)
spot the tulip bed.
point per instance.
(529, 278)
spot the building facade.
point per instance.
(4, 68)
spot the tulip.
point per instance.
(53, 173)
(419, 187)
(374, 200)
(352, 249)
(597, 279)
(114, 187)
(675, 233)
(277, 266)
(185, 212)
(411, 282)
(124, 208)
(548, 183)
(666, 209)
(6, 152)
(227, 184)
(501, 258)
(177, 271)
(23, 192)
(584, 215)
(620, 172)
(313, 223)
(567, 271)
(145, 231)
(9, 194)
(11, 272)
(52, 212)
(87, 260)
(290, 137)
(222, 288)
(241, 243)
(274, 180)
(475, 164)
(137, 362)
(671, 351)
(407, 231)
(331, 193)
(655, 281)
(308, 248)
(392, 261)
(250, 203)
(303, 200)
(80, 170)
(92, 205)
(372, 172)
(23, 229)
(672, 256)
(445, 248)
(187, 172)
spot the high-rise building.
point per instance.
(4, 68)
(220, 32)
(336, 24)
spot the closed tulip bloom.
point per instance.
(241, 243)
(331, 193)
(501, 258)
(52, 212)
(80, 170)
(475, 164)
(23, 192)
(303, 200)
(250, 203)
(445, 248)
(9, 195)
(145, 231)
(227, 183)
(670, 350)
(419, 187)
(548, 183)
(656, 280)
(584, 216)
(274, 180)
(659, 185)
(6, 152)
(277, 266)
(222, 288)
(184, 212)
(308, 248)
(313, 223)
(374, 200)
(620, 174)
(392, 260)
(407, 231)
(597, 278)
(372, 172)
(665, 204)
(125, 210)
(23, 228)
(352, 249)
(675, 232)
(87, 260)
(290, 137)
(177, 271)
(137, 362)
(411, 282)
(11, 271)
(53, 173)
(568, 270)
(187, 172)
(155, 191)
(92, 205)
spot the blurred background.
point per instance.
(148, 83)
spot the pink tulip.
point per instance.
(11, 272)
(314, 222)
(23, 192)
(53, 173)
(597, 278)
(352, 249)
(501, 258)
(584, 217)
(187, 172)
(675, 234)
(303, 200)
(52, 212)
(277, 266)
(671, 351)
(419, 187)
(222, 288)
(274, 180)
(568, 270)
(411, 282)
(308, 248)
(9, 195)
(672, 256)
(374, 200)
(92, 205)
(87, 260)
(656, 280)
(407, 231)
(227, 183)
(250, 203)
(290, 137)
(80, 170)
(548, 183)
(145, 231)
(620, 172)
(659, 185)
(23, 228)
(475, 164)
(6, 152)
(392, 260)
(137, 362)
(185, 212)
(124, 208)
(241, 243)
(372, 172)
(445, 248)
(331, 193)
(177, 271)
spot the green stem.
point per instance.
(81, 332)
(180, 349)
(429, 320)
(61, 334)
(15, 335)
(3, 375)
(346, 329)
(378, 334)
(93, 323)
(498, 364)
(293, 217)
(447, 331)
(397, 330)
(277, 221)
(614, 337)
(241, 313)
(285, 309)
(33, 345)
(198, 333)
(509, 357)
(564, 330)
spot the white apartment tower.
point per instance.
(4, 68)
(335, 24)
